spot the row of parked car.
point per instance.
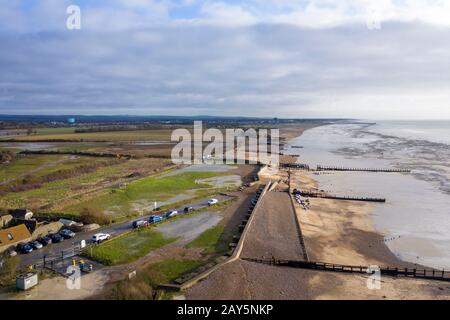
(43, 241)
(170, 214)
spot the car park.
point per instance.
(36, 245)
(56, 237)
(67, 234)
(45, 240)
(212, 202)
(99, 237)
(24, 248)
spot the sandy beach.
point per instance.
(334, 231)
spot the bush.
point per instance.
(89, 215)
(8, 269)
(133, 290)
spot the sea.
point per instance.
(415, 220)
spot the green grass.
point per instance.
(128, 248)
(136, 135)
(41, 165)
(173, 269)
(56, 190)
(149, 190)
(25, 165)
(209, 240)
(45, 131)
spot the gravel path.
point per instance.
(190, 227)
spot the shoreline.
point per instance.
(347, 222)
(243, 280)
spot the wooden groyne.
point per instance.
(316, 194)
(430, 274)
(333, 168)
(298, 166)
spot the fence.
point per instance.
(430, 274)
(56, 261)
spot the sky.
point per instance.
(370, 59)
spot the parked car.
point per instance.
(45, 240)
(155, 219)
(99, 237)
(212, 202)
(56, 237)
(36, 245)
(67, 234)
(140, 224)
(24, 248)
(171, 214)
(188, 209)
(12, 252)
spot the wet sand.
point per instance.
(244, 280)
(341, 232)
(334, 231)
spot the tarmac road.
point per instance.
(37, 256)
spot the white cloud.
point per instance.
(230, 59)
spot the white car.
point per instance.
(171, 214)
(99, 237)
(212, 202)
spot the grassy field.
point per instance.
(210, 241)
(56, 191)
(144, 192)
(26, 165)
(129, 247)
(143, 286)
(45, 131)
(136, 135)
(41, 165)
(172, 269)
